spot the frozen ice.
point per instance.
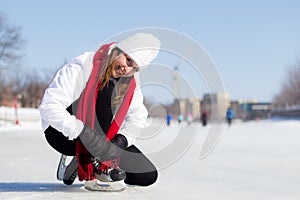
(252, 160)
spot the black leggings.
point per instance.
(139, 169)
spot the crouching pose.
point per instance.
(92, 109)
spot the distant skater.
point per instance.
(229, 115)
(169, 119)
(189, 118)
(204, 117)
(180, 118)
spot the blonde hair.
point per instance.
(105, 75)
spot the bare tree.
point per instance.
(10, 53)
(10, 43)
(289, 95)
(33, 89)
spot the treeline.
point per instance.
(288, 96)
(28, 90)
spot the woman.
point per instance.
(92, 109)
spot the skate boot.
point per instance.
(108, 171)
(67, 173)
(109, 177)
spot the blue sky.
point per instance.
(252, 43)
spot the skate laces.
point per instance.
(74, 175)
(71, 171)
(108, 171)
(105, 166)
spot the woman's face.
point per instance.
(125, 66)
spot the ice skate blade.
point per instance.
(96, 185)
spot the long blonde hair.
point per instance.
(105, 75)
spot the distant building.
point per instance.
(255, 110)
(216, 105)
(287, 111)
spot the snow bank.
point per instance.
(8, 115)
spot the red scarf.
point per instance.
(86, 112)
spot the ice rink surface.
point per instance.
(252, 160)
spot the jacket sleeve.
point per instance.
(64, 89)
(136, 118)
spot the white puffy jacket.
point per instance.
(67, 86)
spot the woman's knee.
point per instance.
(141, 179)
